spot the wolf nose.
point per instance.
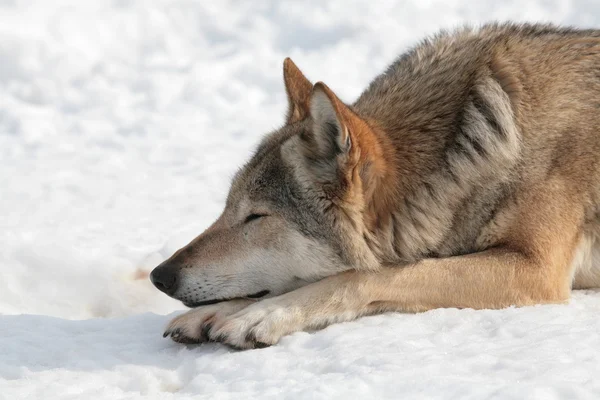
(165, 279)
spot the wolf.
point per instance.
(466, 175)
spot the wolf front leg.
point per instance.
(492, 279)
(534, 268)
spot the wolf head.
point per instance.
(296, 211)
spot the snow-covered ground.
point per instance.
(121, 123)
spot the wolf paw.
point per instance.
(193, 326)
(259, 325)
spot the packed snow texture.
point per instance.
(121, 124)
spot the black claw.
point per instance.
(206, 331)
(221, 338)
(250, 337)
(187, 340)
(257, 344)
(166, 333)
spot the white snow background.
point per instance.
(121, 124)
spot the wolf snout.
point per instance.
(165, 279)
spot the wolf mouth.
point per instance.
(256, 295)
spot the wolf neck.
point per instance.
(398, 199)
(410, 203)
(432, 158)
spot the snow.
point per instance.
(121, 123)
(547, 352)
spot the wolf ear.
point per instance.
(329, 148)
(298, 90)
(330, 130)
(341, 154)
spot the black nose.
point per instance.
(165, 279)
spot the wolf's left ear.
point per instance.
(333, 147)
(298, 90)
(339, 141)
(330, 129)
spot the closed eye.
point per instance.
(253, 217)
